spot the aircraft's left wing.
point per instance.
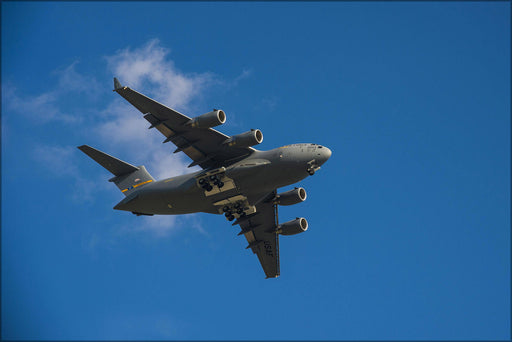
(205, 146)
(259, 229)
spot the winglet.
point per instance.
(117, 84)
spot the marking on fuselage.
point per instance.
(168, 180)
(137, 185)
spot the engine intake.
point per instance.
(291, 197)
(208, 120)
(299, 225)
(250, 138)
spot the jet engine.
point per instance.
(291, 197)
(211, 119)
(299, 225)
(250, 138)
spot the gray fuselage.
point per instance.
(254, 176)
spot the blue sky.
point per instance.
(409, 232)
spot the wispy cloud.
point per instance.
(151, 67)
(72, 81)
(126, 130)
(117, 126)
(49, 105)
(62, 161)
(159, 226)
(41, 108)
(58, 158)
(246, 73)
(164, 226)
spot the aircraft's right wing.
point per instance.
(205, 146)
(259, 229)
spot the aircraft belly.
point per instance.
(184, 195)
(269, 179)
(187, 198)
(173, 196)
(188, 203)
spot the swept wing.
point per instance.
(259, 230)
(203, 145)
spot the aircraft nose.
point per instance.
(328, 153)
(325, 154)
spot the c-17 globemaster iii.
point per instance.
(236, 180)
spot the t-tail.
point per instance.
(128, 178)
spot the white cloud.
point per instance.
(62, 161)
(57, 158)
(246, 73)
(118, 127)
(149, 66)
(42, 108)
(47, 106)
(123, 126)
(72, 81)
(159, 225)
(164, 164)
(125, 131)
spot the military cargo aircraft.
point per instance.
(236, 180)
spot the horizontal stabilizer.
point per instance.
(115, 166)
(127, 178)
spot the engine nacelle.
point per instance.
(250, 138)
(299, 225)
(211, 119)
(291, 197)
